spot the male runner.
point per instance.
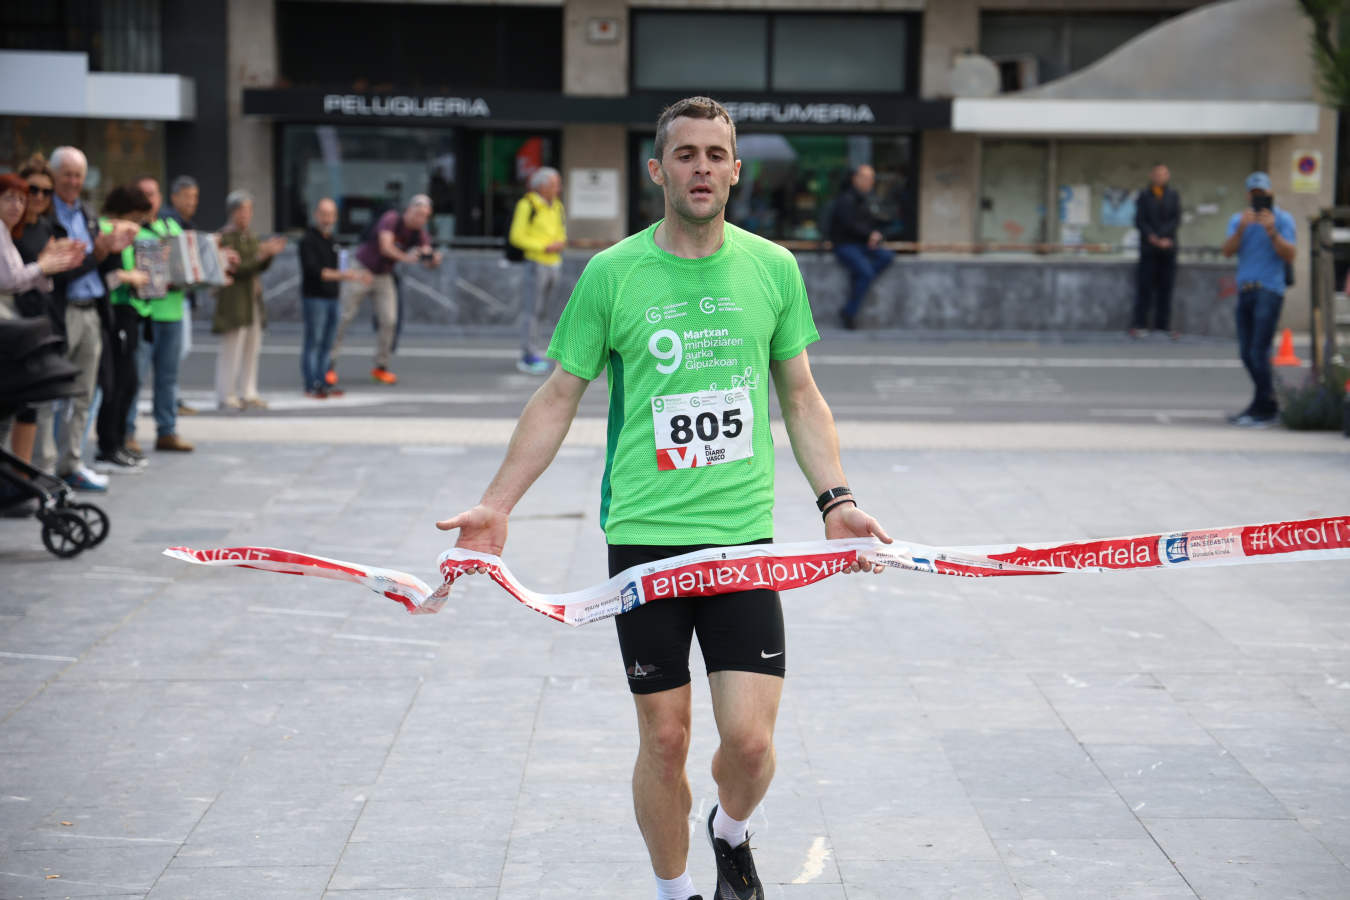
(689, 316)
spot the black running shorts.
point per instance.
(741, 632)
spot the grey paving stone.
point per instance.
(83, 871)
(416, 894)
(917, 711)
(432, 862)
(903, 879)
(286, 830)
(272, 882)
(1072, 868)
(1239, 858)
(1185, 781)
(1101, 814)
(1022, 764)
(1105, 709)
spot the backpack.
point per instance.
(513, 253)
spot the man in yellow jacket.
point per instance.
(538, 228)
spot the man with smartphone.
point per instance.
(1264, 238)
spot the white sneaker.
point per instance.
(91, 475)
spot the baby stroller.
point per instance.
(32, 369)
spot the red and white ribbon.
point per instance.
(782, 567)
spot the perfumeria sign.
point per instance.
(406, 107)
(813, 113)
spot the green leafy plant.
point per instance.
(1315, 406)
(1332, 56)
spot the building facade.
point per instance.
(1002, 130)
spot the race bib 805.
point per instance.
(703, 428)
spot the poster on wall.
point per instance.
(1307, 171)
(1118, 207)
(1075, 204)
(593, 194)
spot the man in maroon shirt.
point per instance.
(397, 237)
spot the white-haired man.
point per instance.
(397, 237)
(84, 294)
(538, 228)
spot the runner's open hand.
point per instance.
(848, 521)
(482, 529)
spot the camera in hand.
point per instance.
(1262, 201)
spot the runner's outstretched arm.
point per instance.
(815, 444)
(538, 435)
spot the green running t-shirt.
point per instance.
(689, 456)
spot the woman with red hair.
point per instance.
(15, 277)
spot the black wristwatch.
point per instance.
(829, 496)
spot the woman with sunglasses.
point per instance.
(18, 277)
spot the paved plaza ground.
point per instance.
(168, 731)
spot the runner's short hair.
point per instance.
(181, 182)
(691, 108)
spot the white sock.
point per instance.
(681, 888)
(733, 831)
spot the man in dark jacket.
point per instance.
(1157, 213)
(857, 242)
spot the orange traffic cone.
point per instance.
(1286, 355)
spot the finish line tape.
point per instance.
(721, 570)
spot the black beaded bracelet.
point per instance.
(826, 511)
(824, 499)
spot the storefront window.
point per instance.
(118, 149)
(473, 177)
(1095, 186)
(719, 50)
(506, 162)
(1013, 192)
(831, 53)
(788, 182)
(366, 170)
(1209, 175)
(776, 51)
(1033, 49)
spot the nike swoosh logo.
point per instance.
(763, 655)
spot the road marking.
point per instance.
(1026, 362)
(387, 640)
(831, 359)
(7, 655)
(815, 862)
(875, 408)
(1161, 415)
(283, 611)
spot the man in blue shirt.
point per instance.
(1263, 237)
(84, 298)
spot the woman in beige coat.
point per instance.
(239, 309)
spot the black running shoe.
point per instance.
(736, 878)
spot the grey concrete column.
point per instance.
(949, 186)
(596, 147)
(252, 55)
(595, 61)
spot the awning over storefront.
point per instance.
(61, 85)
(1017, 115)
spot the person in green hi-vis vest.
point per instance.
(164, 352)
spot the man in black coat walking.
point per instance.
(1157, 214)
